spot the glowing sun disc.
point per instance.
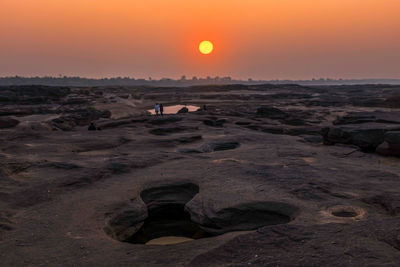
(206, 47)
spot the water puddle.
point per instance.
(174, 109)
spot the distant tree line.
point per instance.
(183, 81)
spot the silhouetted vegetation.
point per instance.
(183, 81)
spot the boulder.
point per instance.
(366, 138)
(393, 139)
(183, 110)
(384, 150)
(391, 146)
(123, 222)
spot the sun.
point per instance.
(206, 47)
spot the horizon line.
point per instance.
(194, 78)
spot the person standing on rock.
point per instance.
(161, 109)
(156, 108)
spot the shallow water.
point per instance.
(174, 109)
(168, 240)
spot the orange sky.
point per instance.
(268, 39)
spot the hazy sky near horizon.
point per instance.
(261, 39)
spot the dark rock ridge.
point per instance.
(214, 146)
(81, 117)
(32, 94)
(164, 120)
(367, 136)
(289, 118)
(214, 122)
(244, 216)
(171, 130)
(219, 146)
(8, 122)
(364, 117)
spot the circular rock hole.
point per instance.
(161, 216)
(344, 211)
(167, 224)
(167, 221)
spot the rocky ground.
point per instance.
(266, 176)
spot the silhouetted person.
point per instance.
(161, 109)
(156, 108)
(92, 127)
(204, 107)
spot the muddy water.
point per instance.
(168, 240)
(174, 109)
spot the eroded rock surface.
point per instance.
(8, 122)
(248, 181)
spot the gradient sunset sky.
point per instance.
(261, 39)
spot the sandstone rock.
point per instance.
(33, 94)
(219, 146)
(177, 193)
(272, 113)
(385, 149)
(171, 130)
(183, 110)
(365, 138)
(392, 117)
(295, 118)
(164, 120)
(126, 220)
(116, 123)
(316, 245)
(307, 130)
(189, 151)
(389, 202)
(8, 122)
(5, 223)
(80, 117)
(354, 119)
(214, 122)
(243, 216)
(393, 139)
(159, 212)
